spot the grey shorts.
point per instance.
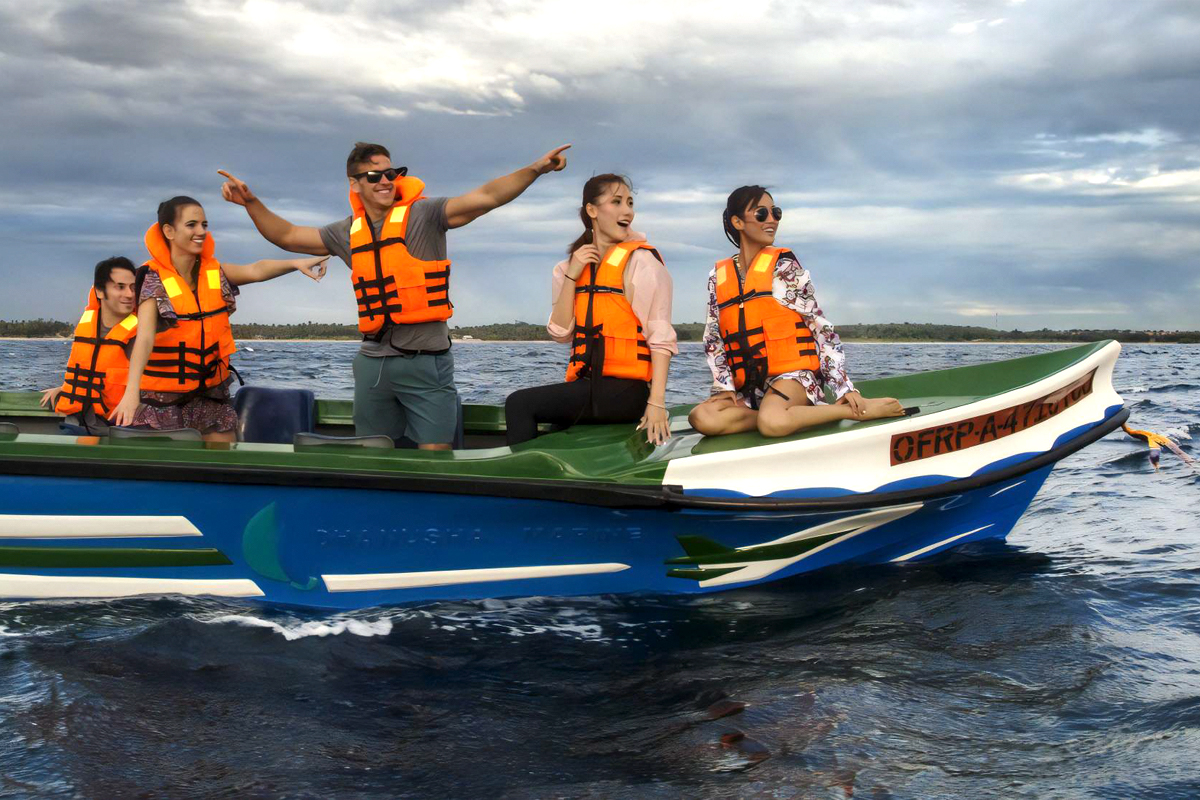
(411, 396)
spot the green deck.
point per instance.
(606, 453)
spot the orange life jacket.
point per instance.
(391, 286)
(98, 367)
(193, 355)
(607, 332)
(762, 337)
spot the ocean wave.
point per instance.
(302, 630)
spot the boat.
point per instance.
(301, 513)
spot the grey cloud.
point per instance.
(116, 106)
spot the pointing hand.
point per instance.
(552, 161)
(235, 191)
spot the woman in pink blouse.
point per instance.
(783, 403)
(644, 289)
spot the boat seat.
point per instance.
(274, 415)
(8, 429)
(321, 440)
(173, 434)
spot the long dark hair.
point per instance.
(168, 210)
(741, 199)
(592, 190)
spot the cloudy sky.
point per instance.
(1035, 160)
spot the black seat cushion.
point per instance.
(274, 415)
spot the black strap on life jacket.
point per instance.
(381, 290)
(589, 334)
(86, 384)
(740, 353)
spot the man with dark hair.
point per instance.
(98, 365)
(394, 242)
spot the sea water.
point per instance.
(1064, 664)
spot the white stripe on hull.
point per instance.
(851, 526)
(450, 577)
(942, 543)
(1006, 488)
(41, 587)
(70, 526)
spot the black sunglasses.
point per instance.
(375, 175)
(760, 213)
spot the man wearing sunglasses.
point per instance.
(395, 245)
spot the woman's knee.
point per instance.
(704, 419)
(774, 422)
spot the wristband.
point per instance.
(656, 405)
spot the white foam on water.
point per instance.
(302, 630)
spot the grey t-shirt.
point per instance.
(426, 240)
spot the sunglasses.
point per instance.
(375, 176)
(760, 213)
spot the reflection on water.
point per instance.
(1062, 664)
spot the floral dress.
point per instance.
(211, 412)
(792, 288)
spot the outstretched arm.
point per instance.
(274, 228)
(265, 270)
(495, 193)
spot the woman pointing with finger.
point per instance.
(179, 371)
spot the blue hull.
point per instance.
(295, 543)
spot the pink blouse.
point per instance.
(648, 288)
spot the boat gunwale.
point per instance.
(591, 493)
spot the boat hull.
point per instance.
(348, 548)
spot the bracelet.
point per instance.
(656, 405)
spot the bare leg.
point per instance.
(220, 436)
(780, 417)
(722, 414)
(434, 447)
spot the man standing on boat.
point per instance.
(395, 245)
(98, 366)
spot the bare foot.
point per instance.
(880, 407)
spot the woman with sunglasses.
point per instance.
(179, 371)
(612, 303)
(771, 351)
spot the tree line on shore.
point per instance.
(687, 332)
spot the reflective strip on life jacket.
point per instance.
(608, 334)
(391, 286)
(762, 337)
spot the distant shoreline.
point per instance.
(550, 341)
(517, 332)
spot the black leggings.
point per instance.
(616, 400)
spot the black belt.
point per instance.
(402, 351)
